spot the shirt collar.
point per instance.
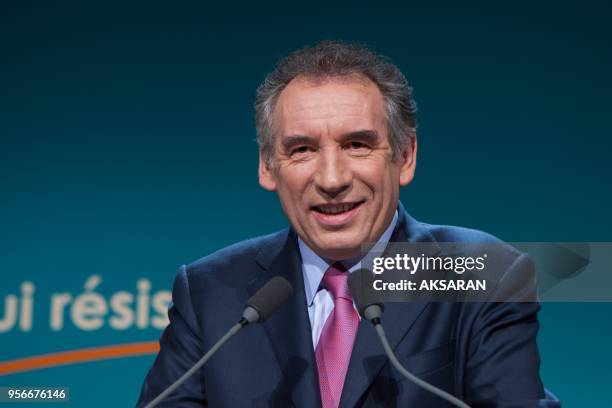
(314, 267)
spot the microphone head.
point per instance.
(269, 298)
(368, 300)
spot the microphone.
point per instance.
(257, 309)
(267, 300)
(370, 306)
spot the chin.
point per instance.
(338, 252)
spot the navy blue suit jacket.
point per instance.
(484, 353)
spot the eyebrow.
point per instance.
(291, 141)
(366, 136)
(369, 137)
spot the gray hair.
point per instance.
(328, 59)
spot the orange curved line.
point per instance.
(78, 356)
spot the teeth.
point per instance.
(335, 209)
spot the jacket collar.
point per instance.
(289, 328)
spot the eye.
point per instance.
(358, 148)
(300, 151)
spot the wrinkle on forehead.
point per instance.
(305, 100)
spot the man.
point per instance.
(336, 127)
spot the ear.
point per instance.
(408, 162)
(266, 174)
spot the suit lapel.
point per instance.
(289, 328)
(368, 357)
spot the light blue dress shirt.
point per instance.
(320, 301)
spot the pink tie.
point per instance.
(337, 337)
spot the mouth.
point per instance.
(334, 209)
(336, 214)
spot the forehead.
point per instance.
(330, 103)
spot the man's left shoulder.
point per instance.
(503, 259)
(453, 233)
(475, 238)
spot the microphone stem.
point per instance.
(435, 390)
(231, 332)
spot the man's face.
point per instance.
(333, 167)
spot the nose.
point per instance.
(333, 174)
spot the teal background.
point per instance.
(127, 148)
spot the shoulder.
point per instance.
(418, 231)
(236, 259)
(451, 233)
(472, 242)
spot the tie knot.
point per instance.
(336, 281)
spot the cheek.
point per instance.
(380, 179)
(294, 181)
(385, 193)
(291, 192)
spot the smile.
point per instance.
(337, 214)
(335, 208)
